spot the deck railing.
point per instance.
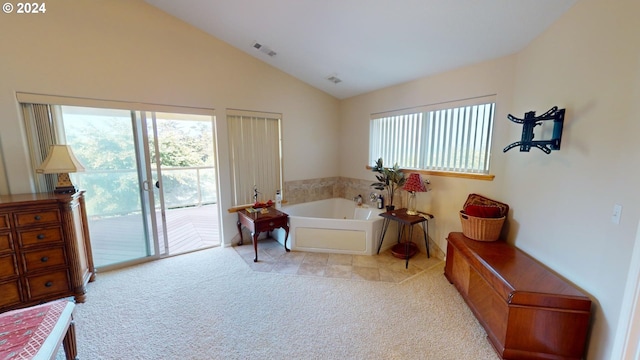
(117, 193)
(193, 186)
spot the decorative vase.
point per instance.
(390, 207)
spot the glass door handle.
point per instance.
(145, 185)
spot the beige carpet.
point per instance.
(212, 305)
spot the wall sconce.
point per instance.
(530, 121)
(61, 161)
(413, 185)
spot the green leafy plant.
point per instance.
(390, 179)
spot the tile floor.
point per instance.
(383, 267)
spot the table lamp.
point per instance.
(414, 184)
(61, 161)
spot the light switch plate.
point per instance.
(617, 211)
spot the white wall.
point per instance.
(130, 51)
(561, 203)
(588, 63)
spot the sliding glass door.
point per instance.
(182, 156)
(150, 181)
(105, 142)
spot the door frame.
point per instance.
(627, 340)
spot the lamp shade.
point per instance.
(60, 160)
(414, 183)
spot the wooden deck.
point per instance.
(120, 239)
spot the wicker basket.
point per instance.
(481, 229)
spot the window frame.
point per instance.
(417, 135)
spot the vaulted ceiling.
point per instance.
(369, 44)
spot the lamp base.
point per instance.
(411, 204)
(64, 185)
(65, 190)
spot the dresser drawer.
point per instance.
(5, 241)
(34, 260)
(37, 217)
(8, 266)
(272, 224)
(40, 236)
(4, 221)
(9, 293)
(47, 284)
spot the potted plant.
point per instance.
(390, 179)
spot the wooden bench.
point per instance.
(36, 332)
(527, 311)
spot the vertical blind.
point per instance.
(256, 160)
(454, 139)
(41, 123)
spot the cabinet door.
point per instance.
(8, 266)
(9, 293)
(4, 221)
(5, 242)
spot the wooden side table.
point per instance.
(408, 248)
(258, 222)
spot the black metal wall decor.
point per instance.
(530, 121)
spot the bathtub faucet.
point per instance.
(358, 200)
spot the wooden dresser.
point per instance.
(45, 252)
(527, 311)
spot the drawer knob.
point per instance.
(48, 284)
(40, 236)
(44, 259)
(37, 217)
(271, 223)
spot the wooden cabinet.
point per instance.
(527, 311)
(45, 251)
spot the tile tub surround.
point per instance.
(300, 191)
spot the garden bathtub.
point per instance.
(334, 226)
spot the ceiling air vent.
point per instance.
(264, 49)
(334, 79)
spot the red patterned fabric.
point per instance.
(414, 183)
(23, 331)
(483, 211)
(475, 199)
